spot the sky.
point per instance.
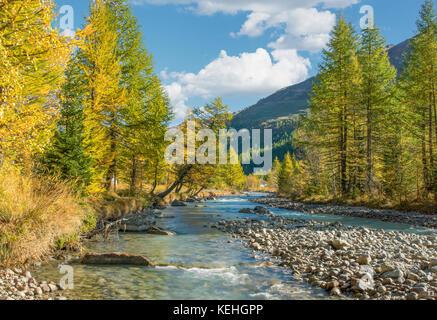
(245, 50)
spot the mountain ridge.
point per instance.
(291, 101)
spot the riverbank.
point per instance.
(349, 262)
(412, 218)
(18, 284)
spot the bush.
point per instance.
(34, 214)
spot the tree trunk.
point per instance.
(197, 193)
(431, 153)
(155, 180)
(175, 184)
(369, 173)
(133, 178)
(424, 157)
(343, 155)
(112, 172)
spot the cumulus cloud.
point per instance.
(301, 26)
(306, 28)
(249, 74)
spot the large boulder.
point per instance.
(115, 258)
(179, 203)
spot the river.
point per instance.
(215, 266)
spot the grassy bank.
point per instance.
(35, 216)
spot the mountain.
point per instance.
(279, 110)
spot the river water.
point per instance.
(215, 266)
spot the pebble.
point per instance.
(346, 261)
(18, 284)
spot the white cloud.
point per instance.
(301, 26)
(235, 6)
(247, 75)
(305, 28)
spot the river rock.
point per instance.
(263, 211)
(364, 259)
(336, 292)
(339, 244)
(396, 274)
(159, 231)
(116, 258)
(246, 210)
(179, 203)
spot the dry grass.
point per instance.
(112, 206)
(33, 215)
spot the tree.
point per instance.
(272, 178)
(418, 90)
(229, 175)
(285, 175)
(333, 105)
(66, 156)
(376, 94)
(104, 96)
(146, 113)
(213, 116)
(33, 56)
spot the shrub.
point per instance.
(34, 213)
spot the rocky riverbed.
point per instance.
(18, 284)
(348, 262)
(412, 218)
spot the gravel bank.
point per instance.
(349, 262)
(18, 284)
(412, 218)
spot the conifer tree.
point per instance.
(272, 179)
(285, 175)
(66, 156)
(146, 112)
(376, 94)
(33, 56)
(418, 90)
(334, 104)
(104, 95)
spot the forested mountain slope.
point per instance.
(279, 110)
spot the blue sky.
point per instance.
(244, 50)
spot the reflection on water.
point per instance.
(213, 266)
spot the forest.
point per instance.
(82, 128)
(83, 122)
(370, 135)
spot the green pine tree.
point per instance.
(66, 157)
(376, 94)
(334, 107)
(418, 87)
